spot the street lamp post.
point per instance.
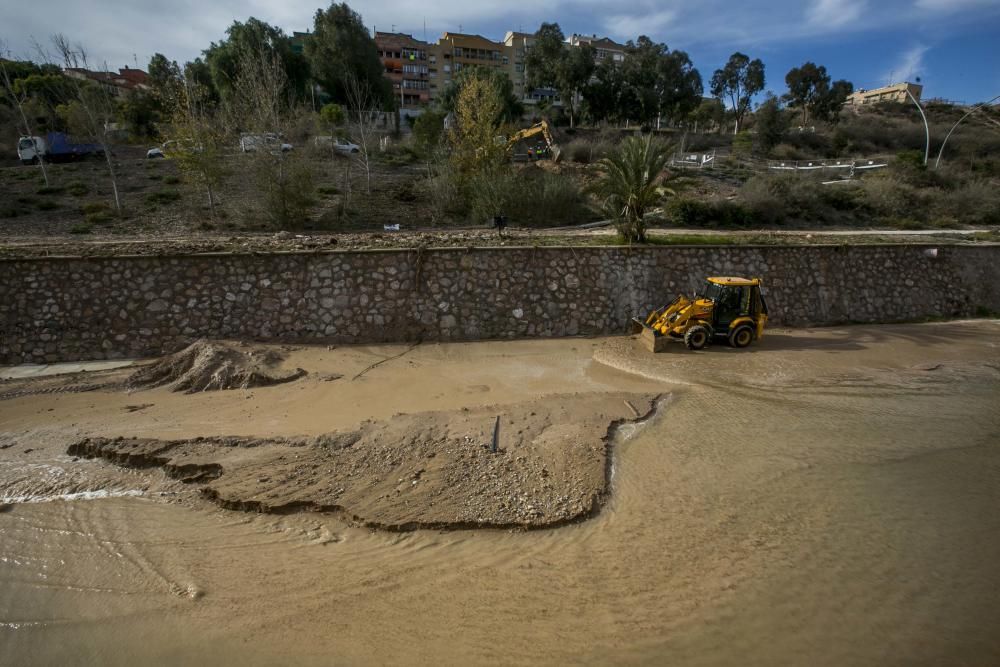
(971, 111)
(927, 129)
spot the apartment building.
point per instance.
(407, 63)
(118, 84)
(604, 48)
(517, 45)
(896, 92)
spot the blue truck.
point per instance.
(54, 147)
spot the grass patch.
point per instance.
(46, 205)
(77, 189)
(171, 180)
(50, 190)
(80, 228)
(328, 190)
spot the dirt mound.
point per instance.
(550, 466)
(213, 366)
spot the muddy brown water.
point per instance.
(829, 497)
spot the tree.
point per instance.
(341, 49)
(710, 113)
(479, 112)
(141, 113)
(739, 80)
(91, 109)
(224, 59)
(363, 105)
(428, 129)
(680, 85)
(165, 80)
(259, 103)
(810, 90)
(19, 100)
(828, 107)
(551, 63)
(631, 183)
(478, 159)
(771, 123)
(199, 139)
(510, 107)
(332, 116)
(603, 94)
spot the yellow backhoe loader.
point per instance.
(732, 309)
(542, 128)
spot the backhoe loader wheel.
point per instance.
(696, 337)
(741, 336)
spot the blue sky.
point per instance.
(952, 45)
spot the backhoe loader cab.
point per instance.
(732, 309)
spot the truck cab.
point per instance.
(30, 149)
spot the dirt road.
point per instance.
(827, 497)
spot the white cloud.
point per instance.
(908, 66)
(630, 26)
(831, 14)
(954, 5)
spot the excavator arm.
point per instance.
(542, 128)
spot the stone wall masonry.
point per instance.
(65, 309)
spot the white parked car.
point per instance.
(153, 153)
(268, 141)
(338, 144)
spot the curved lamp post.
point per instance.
(927, 129)
(971, 111)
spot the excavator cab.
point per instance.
(732, 309)
(542, 130)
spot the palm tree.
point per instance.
(631, 184)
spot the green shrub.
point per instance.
(891, 198)
(46, 205)
(94, 207)
(49, 190)
(171, 180)
(328, 190)
(684, 212)
(162, 197)
(80, 228)
(529, 197)
(9, 212)
(975, 203)
(99, 217)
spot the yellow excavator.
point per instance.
(732, 309)
(542, 128)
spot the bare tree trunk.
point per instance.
(97, 127)
(363, 104)
(19, 102)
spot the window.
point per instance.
(458, 51)
(506, 60)
(519, 67)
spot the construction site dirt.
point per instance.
(827, 494)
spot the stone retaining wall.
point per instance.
(62, 309)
